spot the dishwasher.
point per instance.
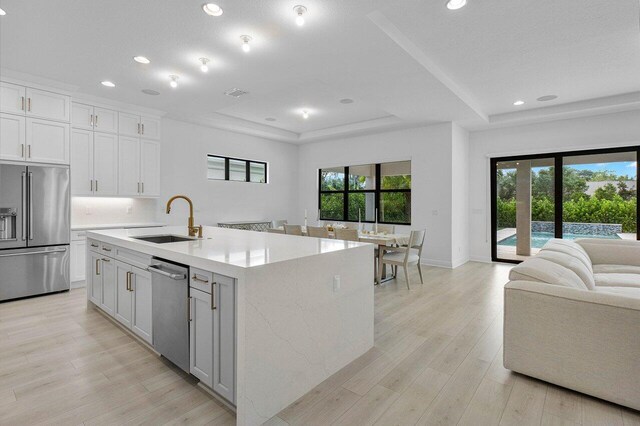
(170, 295)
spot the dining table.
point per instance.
(380, 239)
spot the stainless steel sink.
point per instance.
(163, 239)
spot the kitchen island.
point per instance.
(303, 307)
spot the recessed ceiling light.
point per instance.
(203, 64)
(141, 59)
(546, 98)
(174, 81)
(150, 92)
(305, 114)
(108, 83)
(346, 101)
(236, 93)
(245, 42)
(212, 9)
(518, 103)
(2, 12)
(270, 119)
(300, 11)
(456, 4)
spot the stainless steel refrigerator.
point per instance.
(34, 230)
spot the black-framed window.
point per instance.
(569, 195)
(236, 169)
(356, 193)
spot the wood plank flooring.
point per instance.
(437, 360)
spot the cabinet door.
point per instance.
(47, 141)
(201, 336)
(128, 166)
(105, 163)
(12, 98)
(142, 321)
(124, 295)
(81, 161)
(224, 337)
(12, 137)
(150, 168)
(78, 251)
(128, 124)
(81, 116)
(109, 281)
(94, 278)
(150, 128)
(105, 120)
(49, 105)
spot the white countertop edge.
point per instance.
(117, 226)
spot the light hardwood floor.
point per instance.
(436, 360)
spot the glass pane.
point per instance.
(525, 207)
(395, 207)
(362, 207)
(238, 170)
(331, 207)
(258, 172)
(332, 179)
(215, 168)
(600, 196)
(395, 175)
(362, 177)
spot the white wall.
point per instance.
(184, 171)
(612, 130)
(107, 210)
(459, 196)
(430, 151)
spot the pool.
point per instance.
(539, 239)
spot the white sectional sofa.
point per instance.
(572, 318)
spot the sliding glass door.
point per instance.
(595, 196)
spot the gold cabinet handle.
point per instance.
(97, 266)
(91, 121)
(189, 308)
(29, 104)
(138, 128)
(22, 103)
(213, 296)
(106, 249)
(195, 278)
(106, 260)
(96, 185)
(143, 187)
(29, 148)
(143, 128)
(94, 245)
(95, 122)
(129, 280)
(22, 150)
(91, 185)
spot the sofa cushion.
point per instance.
(570, 262)
(633, 292)
(616, 269)
(617, 280)
(571, 248)
(543, 270)
(611, 252)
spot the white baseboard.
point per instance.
(434, 262)
(482, 259)
(78, 284)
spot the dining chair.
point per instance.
(347, 234)
(293, 229)
(388, 229)
(403, 256)
(317, 231)
(278, 223)
(275, 231)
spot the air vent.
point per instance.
(236, 93)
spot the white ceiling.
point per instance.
(403, 62)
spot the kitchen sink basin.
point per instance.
(164, 239)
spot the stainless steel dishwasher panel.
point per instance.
(170, 311)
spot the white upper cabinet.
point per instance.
(12, 137)
(105, 163)
(129, 166)
(47, 141)
(150, 168)
(81, 162)
(129, 124)
(105, 120)
(81, 116)
(48, 105)
(150, 128)
(13, 98)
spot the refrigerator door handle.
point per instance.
(24, 206)
(31, 205)
(34, 252)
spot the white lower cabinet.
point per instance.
(201, 337)
(78, 254)
(133, 299)
(213, 335)
(108, 285)
(124, 298)
(94, 278)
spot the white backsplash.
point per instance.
(102, 211)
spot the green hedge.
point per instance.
(586, 210)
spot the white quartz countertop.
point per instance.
(238, 248)
(116, 225)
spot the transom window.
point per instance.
(357, 193)
(236, 169)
